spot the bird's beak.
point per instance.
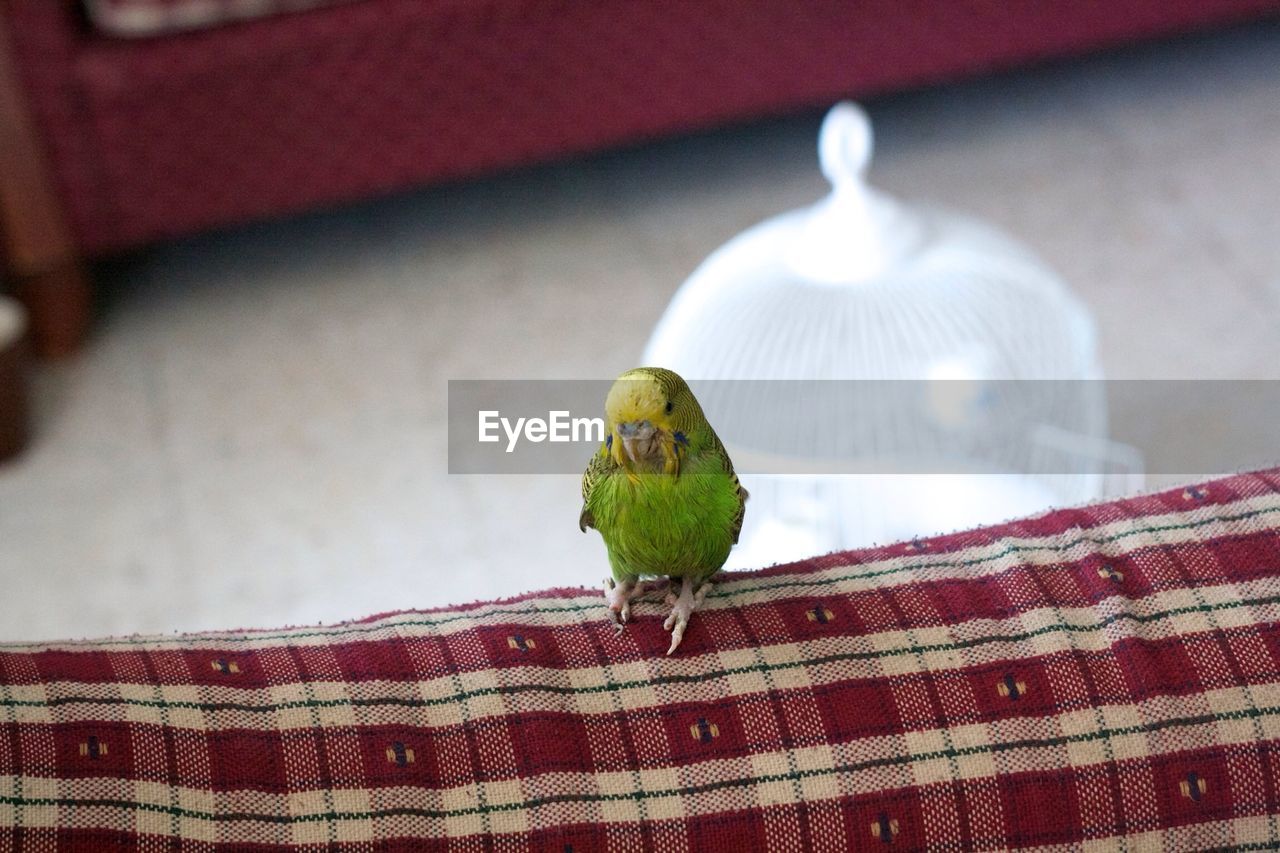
(633, 433)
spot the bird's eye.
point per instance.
(670, 406)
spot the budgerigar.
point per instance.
(663, 494)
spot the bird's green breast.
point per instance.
(658, 524)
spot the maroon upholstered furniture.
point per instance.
(151, 119)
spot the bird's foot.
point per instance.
(617, 597)
(682, 607)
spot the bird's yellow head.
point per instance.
(651, 416)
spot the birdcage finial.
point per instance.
(856, 234)
(845, 144)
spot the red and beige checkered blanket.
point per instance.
(1056, 682)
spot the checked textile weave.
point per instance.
(1056, 683)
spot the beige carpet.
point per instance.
(256, 435)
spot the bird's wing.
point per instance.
(600, 466)
(723, 455)
(742, 510)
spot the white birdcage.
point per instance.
(1008, 421)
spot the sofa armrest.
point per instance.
(32, 224)
(36, 243)
(1100, 676)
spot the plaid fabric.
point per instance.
(1057, 682)
(156, 17)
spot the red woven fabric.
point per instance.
(1072, 678)
(155, 138)
(156, 17)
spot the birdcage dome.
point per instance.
(861, 286)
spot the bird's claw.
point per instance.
(618, 598)
(682, 608)
(619, 595)
(676, 623)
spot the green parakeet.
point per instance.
(662, 492)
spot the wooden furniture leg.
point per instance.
(59, 306)
(42, 263)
